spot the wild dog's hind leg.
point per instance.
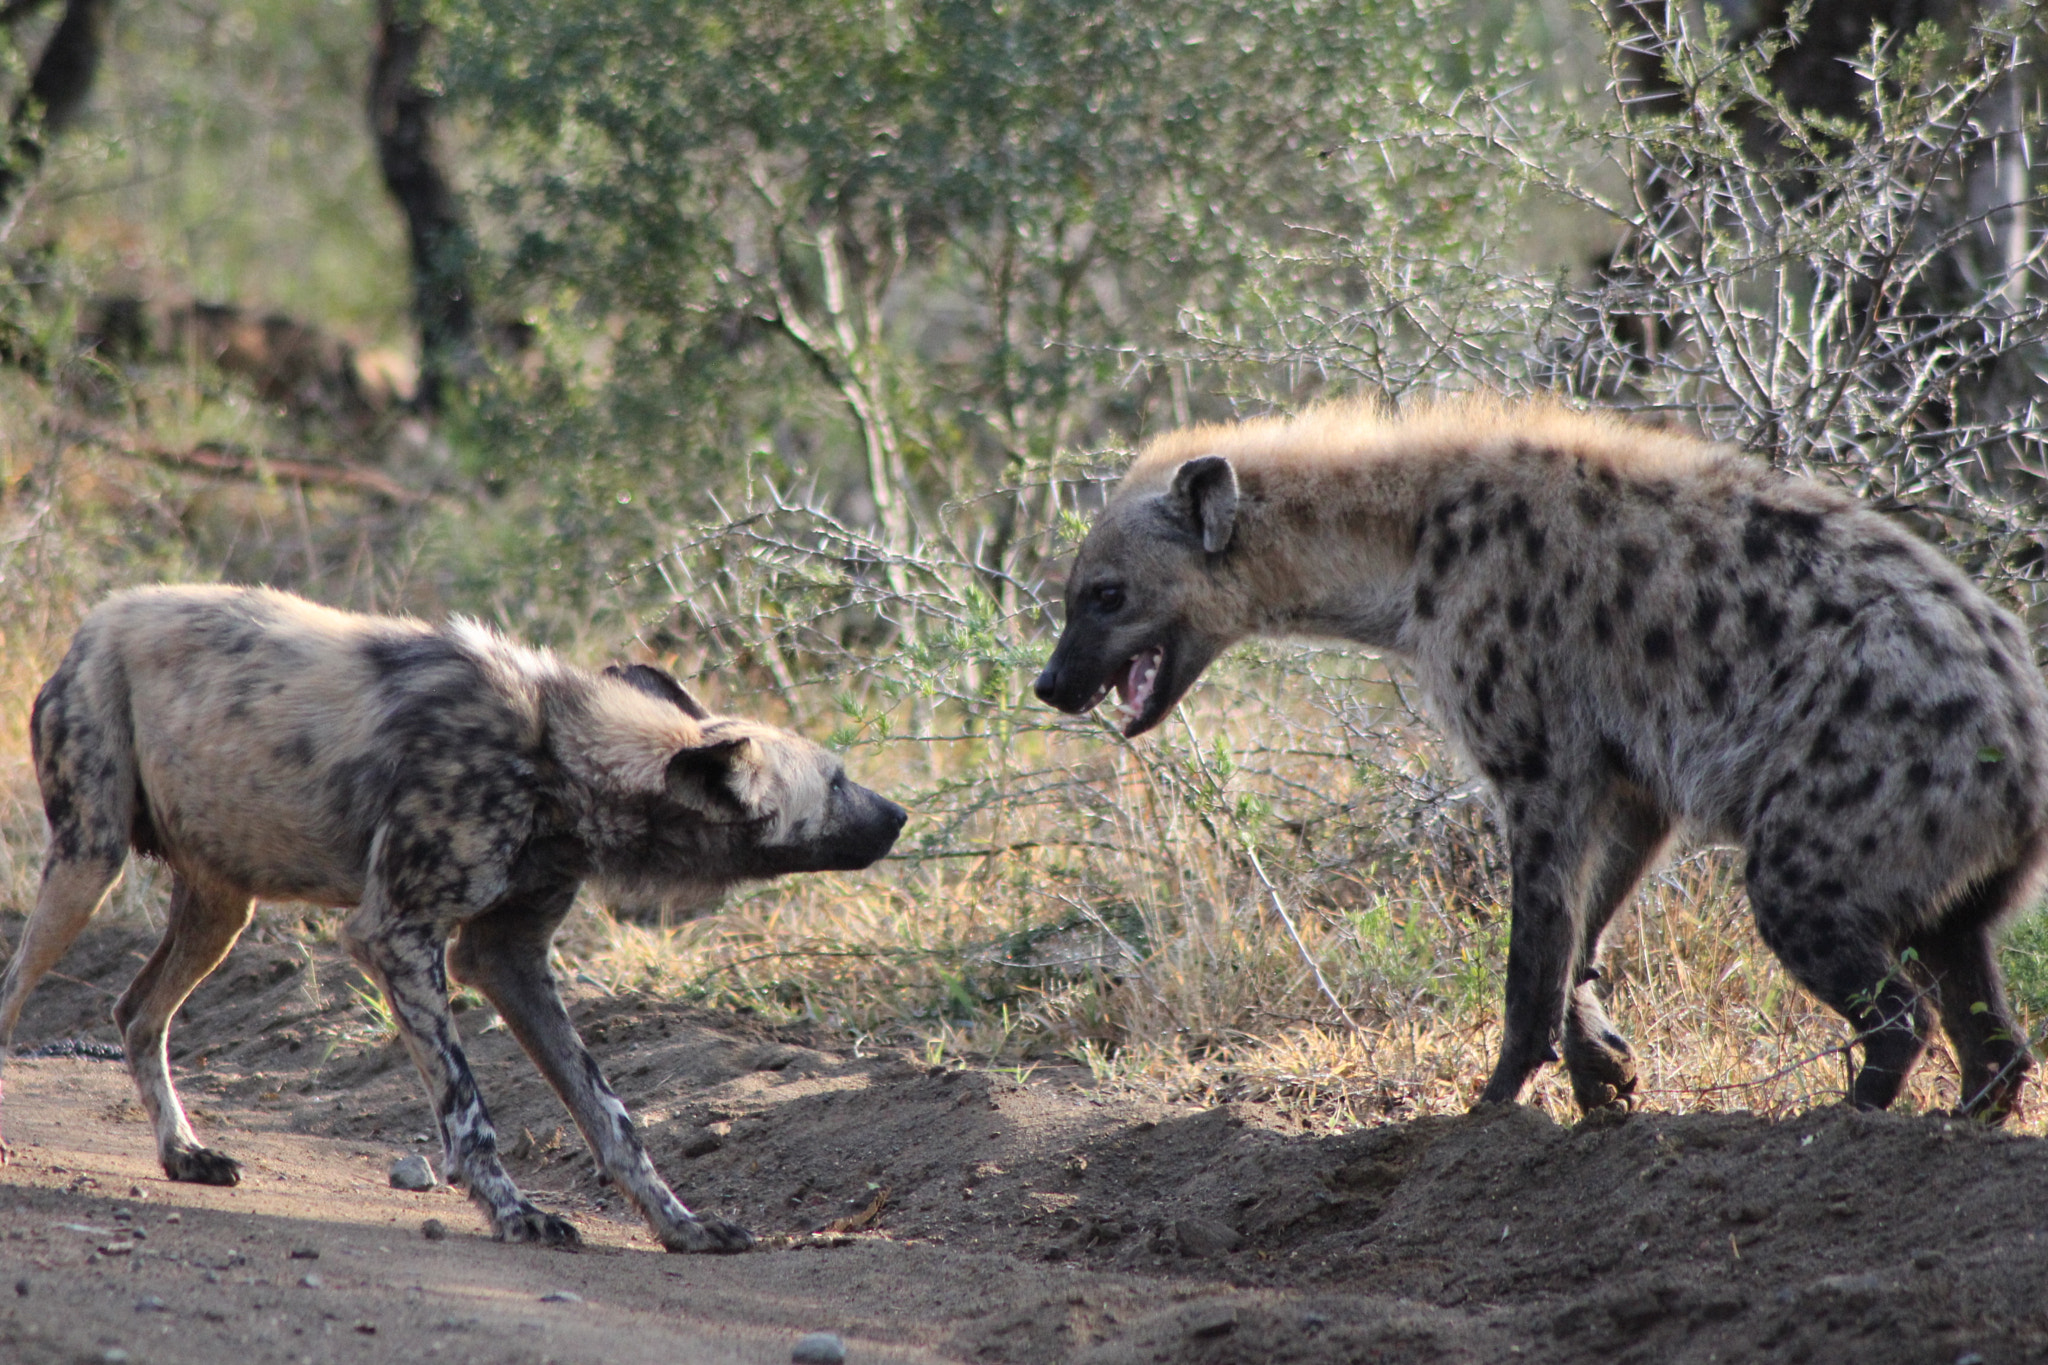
(504, 954)
(406, 957)
(205, 920)
(1601, 1064)
(73, 887)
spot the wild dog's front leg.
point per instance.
(504, 955)
(206, 918)
(406, 958)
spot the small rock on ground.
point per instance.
(819, 1348)
(412, 1173)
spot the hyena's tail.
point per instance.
(83, 736)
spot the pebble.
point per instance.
(412, 1173)
(433, 1229)
(21, 1287)
(309, 1282)
(305, 1253)
(819, 1348)
(561, 1296)
(150, 1303)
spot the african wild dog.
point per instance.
(1624, 630)
(454, 787)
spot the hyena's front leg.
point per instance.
(205, 920)
(504, 955)
(1547, 841)
(1602, 1066)
(406, 958)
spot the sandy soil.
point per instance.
(994, 1220)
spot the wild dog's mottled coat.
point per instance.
(447, 783)
(1626, 628)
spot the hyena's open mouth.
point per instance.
(1135, 683)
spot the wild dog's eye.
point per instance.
(1107, 598)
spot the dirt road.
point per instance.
(992, 1220)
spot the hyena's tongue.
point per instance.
(1134, 685)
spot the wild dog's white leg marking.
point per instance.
(205, 920)
(406, 958)
(504, 955)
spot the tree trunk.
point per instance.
(403, 122)
(56, 94)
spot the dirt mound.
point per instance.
(964, 1215)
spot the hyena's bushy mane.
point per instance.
(1358, 434)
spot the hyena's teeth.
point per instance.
(1135, 687)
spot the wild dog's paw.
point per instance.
(712, 1236)
(202, 1166)
(529, 1224)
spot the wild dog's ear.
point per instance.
(659, 685)
(1204, 496)
(702, 775)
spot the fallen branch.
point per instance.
(216, 457)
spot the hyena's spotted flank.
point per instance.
(1625, 630)
(456, 788)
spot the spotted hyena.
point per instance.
(1626, 630)
(452, 786)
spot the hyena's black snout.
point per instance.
(1064, 686)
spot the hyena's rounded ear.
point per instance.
(1204, 497)
(659, 685)
(702, 775)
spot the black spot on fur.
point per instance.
(1658, 646)
(1592, 507)
(1857, 792)
(1515, 515)
(1624, 597)
(1533, 541)
(1827, 612)
(1856, 696)
(1883, 549)
(1715, 680)
(1603, 625)
(1919, 775)
(1951, 715)
(1445, 554)
(1706, 612)
(1518, 612)
(1480, 531)
(1425, 603)
(1766, 619)
(1636, 558)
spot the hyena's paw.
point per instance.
(202, 1166)
(1603, 1074)
(529, 1224)
(712, 1236)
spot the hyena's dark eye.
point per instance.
(1108, 598)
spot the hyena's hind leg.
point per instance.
(407, 958)
(1599, 1060)
(205, 921)
(1808, 914)
(1991, 1050)
(504, 954)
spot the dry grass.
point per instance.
(1063, 894)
